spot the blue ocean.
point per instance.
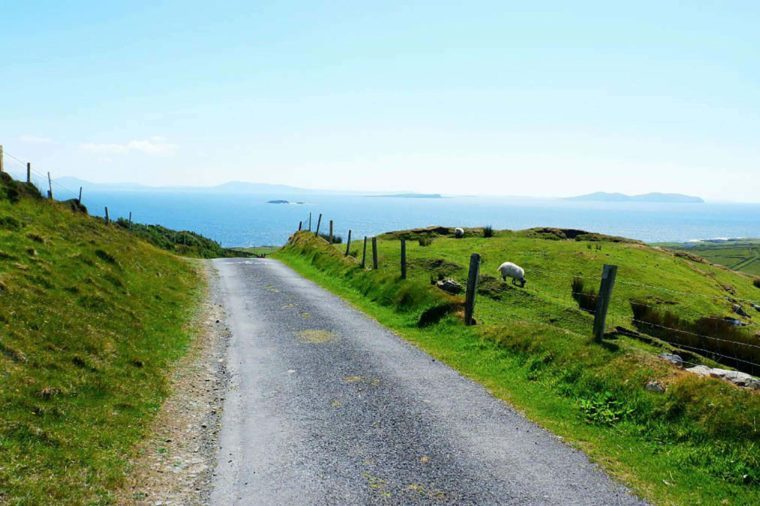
(248, 220)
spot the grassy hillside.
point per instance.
(697, 442)
(182, 242)
(90, 321)
(737, 254)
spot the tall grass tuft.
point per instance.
(488, 231)
(425, 241)
(335, 240)
(586, 298)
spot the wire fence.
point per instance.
(726, 340)
(24, 171)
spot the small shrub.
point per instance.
(604, 409)
(335, 240)
(488, 231)
(425, 241)
(756, 282)
(586, 298)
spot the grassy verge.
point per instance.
(91, 321)
(696, 443)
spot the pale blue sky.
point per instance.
(517, 98)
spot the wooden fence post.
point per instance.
(130, 220)
(300, 225)
(107, 219)
(348, 242)
(28, 172)
(50, 187)
(331, 231)
(472, 287)
(2, 162)
(79, 200)
(319, 223)
(403, 258)
(374, 253)
(364, 253)
(309, 222)
(609, 272)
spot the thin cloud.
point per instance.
(35, 139)
(155, 146)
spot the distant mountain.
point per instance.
(668, 198)
(230, 187)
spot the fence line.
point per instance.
(740, 343)
(714, 318)
(41, 176)
(603, 300)
(35, 178)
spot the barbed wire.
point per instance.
(714, 318)
(32, 171)
(710, 352)
(680, 331)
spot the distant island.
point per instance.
(410, 196)
(668, 198)
(278, 202)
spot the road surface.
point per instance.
(326, 406)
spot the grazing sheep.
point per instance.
(458, 232)
(517, 273)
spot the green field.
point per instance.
(737, 254)
(696, 443)
(91, 320)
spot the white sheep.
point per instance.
(458, 232)
(514, 271)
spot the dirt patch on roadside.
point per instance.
(174, 465)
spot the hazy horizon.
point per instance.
(485, 99)
(127, 185)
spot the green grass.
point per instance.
(737, 254)
(697, 443)
(91, 321)
(182, 242)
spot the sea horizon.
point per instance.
(244, 220)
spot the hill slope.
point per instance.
(90, 321)
(694, 442)
(737, 254)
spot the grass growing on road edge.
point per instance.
(697, 443)
(91, 321)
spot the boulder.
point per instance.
(655, 386)
(739, 310)
(701, 370)
(672, 358)
(450, 286)
(738, 378)
(734, 321)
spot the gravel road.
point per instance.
(326, 406)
